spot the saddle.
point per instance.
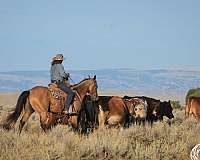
(57, 98)
(56, 92)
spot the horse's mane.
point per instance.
(74, 85)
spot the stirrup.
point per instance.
(72, 114)
(68, 112)
(65, 111)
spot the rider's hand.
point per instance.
(67, 75)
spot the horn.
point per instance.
(146, 105)
(145, 102)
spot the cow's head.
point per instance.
(156, 108)
(141, 109)
(166, 109)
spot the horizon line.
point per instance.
(136, 69)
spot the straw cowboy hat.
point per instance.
(58, 57)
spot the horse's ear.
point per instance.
(95, 77)
(88, 76)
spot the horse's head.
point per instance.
(87, 86)
(92, 89)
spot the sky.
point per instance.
(100, 34)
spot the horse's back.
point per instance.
(39, 88)
(40, 92)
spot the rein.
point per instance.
(71, 80)
(78, 95)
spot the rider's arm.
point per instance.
(62, 72)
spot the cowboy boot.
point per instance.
(68, 110)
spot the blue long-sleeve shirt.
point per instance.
(58, 72)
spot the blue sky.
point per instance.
(96, 34)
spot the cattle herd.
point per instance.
(123, 111)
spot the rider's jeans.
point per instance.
(70, 94)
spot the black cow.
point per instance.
(165, 110)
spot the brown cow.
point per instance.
(113, 111)
(193, 108)
(117, 111)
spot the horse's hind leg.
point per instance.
(44, 121)
(28, 110)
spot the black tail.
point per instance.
(12, 118)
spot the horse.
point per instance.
(89, 115)
(193, 108)
(38, 99)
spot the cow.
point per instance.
(193, 107)
(165, 109)
(156, 109)
(139, 112)
(114, 111)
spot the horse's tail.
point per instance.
(12, 118)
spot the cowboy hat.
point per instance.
(58, 57)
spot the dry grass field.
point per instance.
(160, 142)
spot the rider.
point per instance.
(59, 76)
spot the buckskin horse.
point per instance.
(39, 100)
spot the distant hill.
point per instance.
(156, 83)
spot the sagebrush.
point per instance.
(137, 142)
